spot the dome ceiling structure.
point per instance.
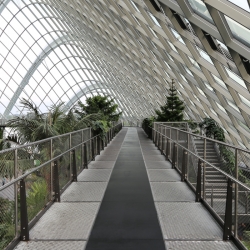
(54, 51)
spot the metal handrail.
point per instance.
(207, 163)
(49, 161)
(40, 141)
(44, 164)
(207, 138)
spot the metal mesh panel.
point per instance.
(64, 169)
(183, 139)
(192, 165)
(79, 159)
(243, 214)
(243, 165)
(225, 158)
(179, 158)
(42, 153)
(38, 191)
(7, 216)
(7, 170)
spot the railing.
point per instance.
(131, 123)
(223, 188)
(38, 173)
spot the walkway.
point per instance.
(127, 216)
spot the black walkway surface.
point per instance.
(127, 219)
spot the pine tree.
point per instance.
(173, 109)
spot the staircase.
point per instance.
(216, 183)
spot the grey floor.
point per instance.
(184, 223)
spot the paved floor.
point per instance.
(127, 215)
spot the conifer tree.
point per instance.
(173, 109)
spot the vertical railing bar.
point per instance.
(228, 212)
(16, 192)
(51, 169)
(56, 182)
(204, 169)
(24, 230)
(70, 146)
(198, 183)
(236, 195)
(85, 155)
(74, 171)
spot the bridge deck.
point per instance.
(129, 198)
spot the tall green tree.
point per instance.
(173, 109)
(99, 104)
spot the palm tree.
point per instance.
(37, 126)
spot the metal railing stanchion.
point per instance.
(85, 155)
(184, 166)
(227, 229)
(74, 171)
(56, 182)
(198, 183)
(24, 229)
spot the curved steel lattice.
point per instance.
(53, 51)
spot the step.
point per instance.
(215, 177)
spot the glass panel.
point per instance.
(204, 55)
(200, 8)
(134, 6)
(241, 3)
(239, 32)
(154, 19)
(244, 100)
(233, 105)
(235, 77)
(177, 35)
(173, 47)
(220, 107)
(194, 63)
(208, 86)
(219, 81)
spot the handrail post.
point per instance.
(56, 182)
(153, 132)
(93, 148)
(228, 212)
(184, 166)
(16, 192)
(177, 153)
(174, 156)
(167, 145)
(204, 169)
(98, 144)
(85, 155)
(236, 194)
(51, 169)
(198, 183)
(70, 146)
(74, 172)
(162, 143)
(188, 158)
(24, 234)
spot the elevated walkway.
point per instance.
(129, 198)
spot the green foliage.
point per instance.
(37, 126)
(212, 129)
(37, 197)
(173, 109)
(148, 122)
(147, 125)
(7, 228)
(99, 104)
(101, 127)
